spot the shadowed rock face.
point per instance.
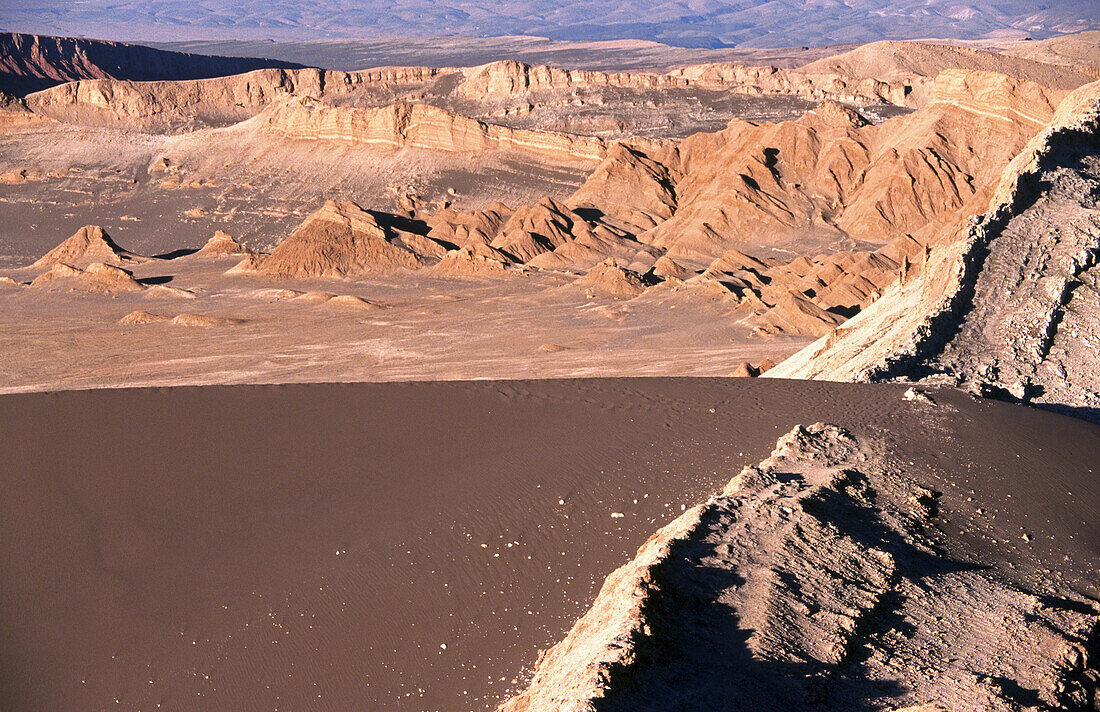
(30, 63)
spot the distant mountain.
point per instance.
(699, 23)
(29, 63)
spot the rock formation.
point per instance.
(165, 105)
(759, 598)
(833, 175)
(465, 262)
(418, 126)
(30, 63)
(513, 78)
(97, 277)
(339, 240)
(919, 62)
(1006, 303)
(87, 245)
(609, 279)
(222, 245)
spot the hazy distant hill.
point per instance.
(699, 23)
(30, 63)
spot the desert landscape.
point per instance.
(584, 372)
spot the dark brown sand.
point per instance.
(411, 546)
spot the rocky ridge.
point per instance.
(760, 597)
(1006, 304)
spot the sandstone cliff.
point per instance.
(166, 105)
(918, 62)
(417, 126)
(512, 78)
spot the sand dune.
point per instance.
(222, 555)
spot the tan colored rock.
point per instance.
(465, 262)
(98, 277)
(416, 126)
(831, 175)
(202, 320)
(143, 317)
(989, 302)
(666, 268)
(87, 245)
(795, 314)
(608, 279)
(222, 245)
(338, 240)
(629, 187)
(159, 104)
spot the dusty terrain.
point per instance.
(898, 211)
(252, 547)
(752, 208)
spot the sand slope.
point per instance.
(253, 547)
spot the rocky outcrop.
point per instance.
(169, 105)
(610, 279)
(222, 244)
(87, 245)
(832, 175)
(818, 86)
(418, 126)
(1007, 302)
(97, 277)
(339, 240)
(511, 78)
(919, 62)
(631, 188)
(759, 598)
(465, 262)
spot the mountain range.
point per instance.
(699, 23)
